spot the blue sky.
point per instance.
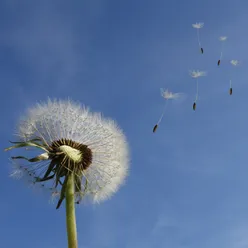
(188, 184)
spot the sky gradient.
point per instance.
(188, 184)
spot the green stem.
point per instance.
(70, 213)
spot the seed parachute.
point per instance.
(166, 94)
(222, 39)
(196, 74)
(198, 26)
(233, 63)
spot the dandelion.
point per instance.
(198, 26)
(221, 38)
(196, 74)
(78, 155)
(168, 96)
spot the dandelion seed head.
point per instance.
(198, 25)
(75, 141)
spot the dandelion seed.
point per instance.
(196, 75)
(234, 63)
(198, 26)
(221, 38)
(79, 155)
(166, 94)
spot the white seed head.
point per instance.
(198, 25)
(223, 38)
(60, 120)
(196, 74)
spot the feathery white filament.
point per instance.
(234, 62)
(196, 74)
(197, 90)
(223, 38)
(198, 37)
(198, 25)
(169, 95)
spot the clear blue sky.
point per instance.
(188, 183)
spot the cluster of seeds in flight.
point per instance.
(196, 74)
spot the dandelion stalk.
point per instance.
(70, 213)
